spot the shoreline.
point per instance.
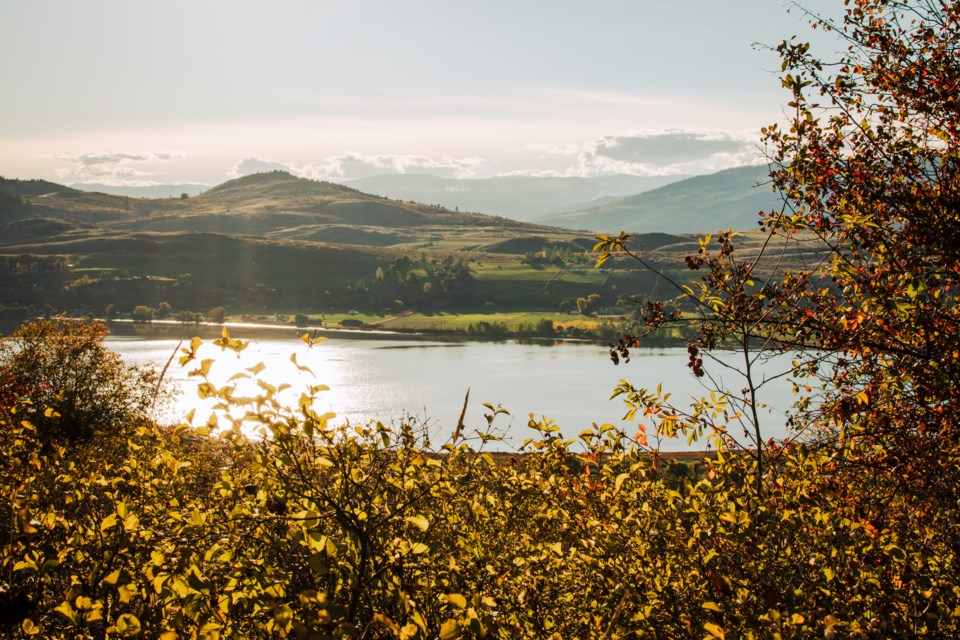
(164, 328)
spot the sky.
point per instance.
(139, 93)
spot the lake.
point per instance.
(390, 379)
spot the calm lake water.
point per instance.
(388, 379)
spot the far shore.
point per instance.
(164, 328)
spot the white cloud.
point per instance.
(554, 149)
(248, 166)
(634, 152)
(114, 168)
(351, 166)
(672, 151)
(537, 173)
(644, 152)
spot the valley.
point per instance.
(272, 243)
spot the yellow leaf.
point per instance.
(619, 482)
(450, 630)
(293, 359)
(26, 522)
(419, 522)
(109, 521)
(711, 606)
(418, 547)
(204, 369)
(66, 611)
(126, 592)
(387, 622)
(29, 627)
(714, 630)
(456, 600)
(131, 522)
(128, 625)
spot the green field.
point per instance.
(455, 322)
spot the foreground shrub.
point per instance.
(320, 530)
(69, 385)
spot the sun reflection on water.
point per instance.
(393, 380)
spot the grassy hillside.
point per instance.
(730, 198)
(519, 197)
(274, 242)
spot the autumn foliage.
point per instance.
(313, 529)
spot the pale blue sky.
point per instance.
(156, 92)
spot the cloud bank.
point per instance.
(637, 152)
(115, 168)
(645, 153)
(351, 166)
(667, 152)
(641, 153)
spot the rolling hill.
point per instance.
(275, 205)
(519, 197)
(272, 241)
(730, 198)
(268, 240)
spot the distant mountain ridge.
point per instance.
(729, 198)
(523, 198)
(148, 191)
(274, 205)
(18, 188)
(273, 240)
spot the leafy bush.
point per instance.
(312, 529)
(69, 385)
(317, 530)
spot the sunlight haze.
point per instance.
(124, 93)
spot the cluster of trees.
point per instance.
(145, 313)
(543, 328)
(850, 528)
(556, 256)
(425, 283)
(33, 264)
